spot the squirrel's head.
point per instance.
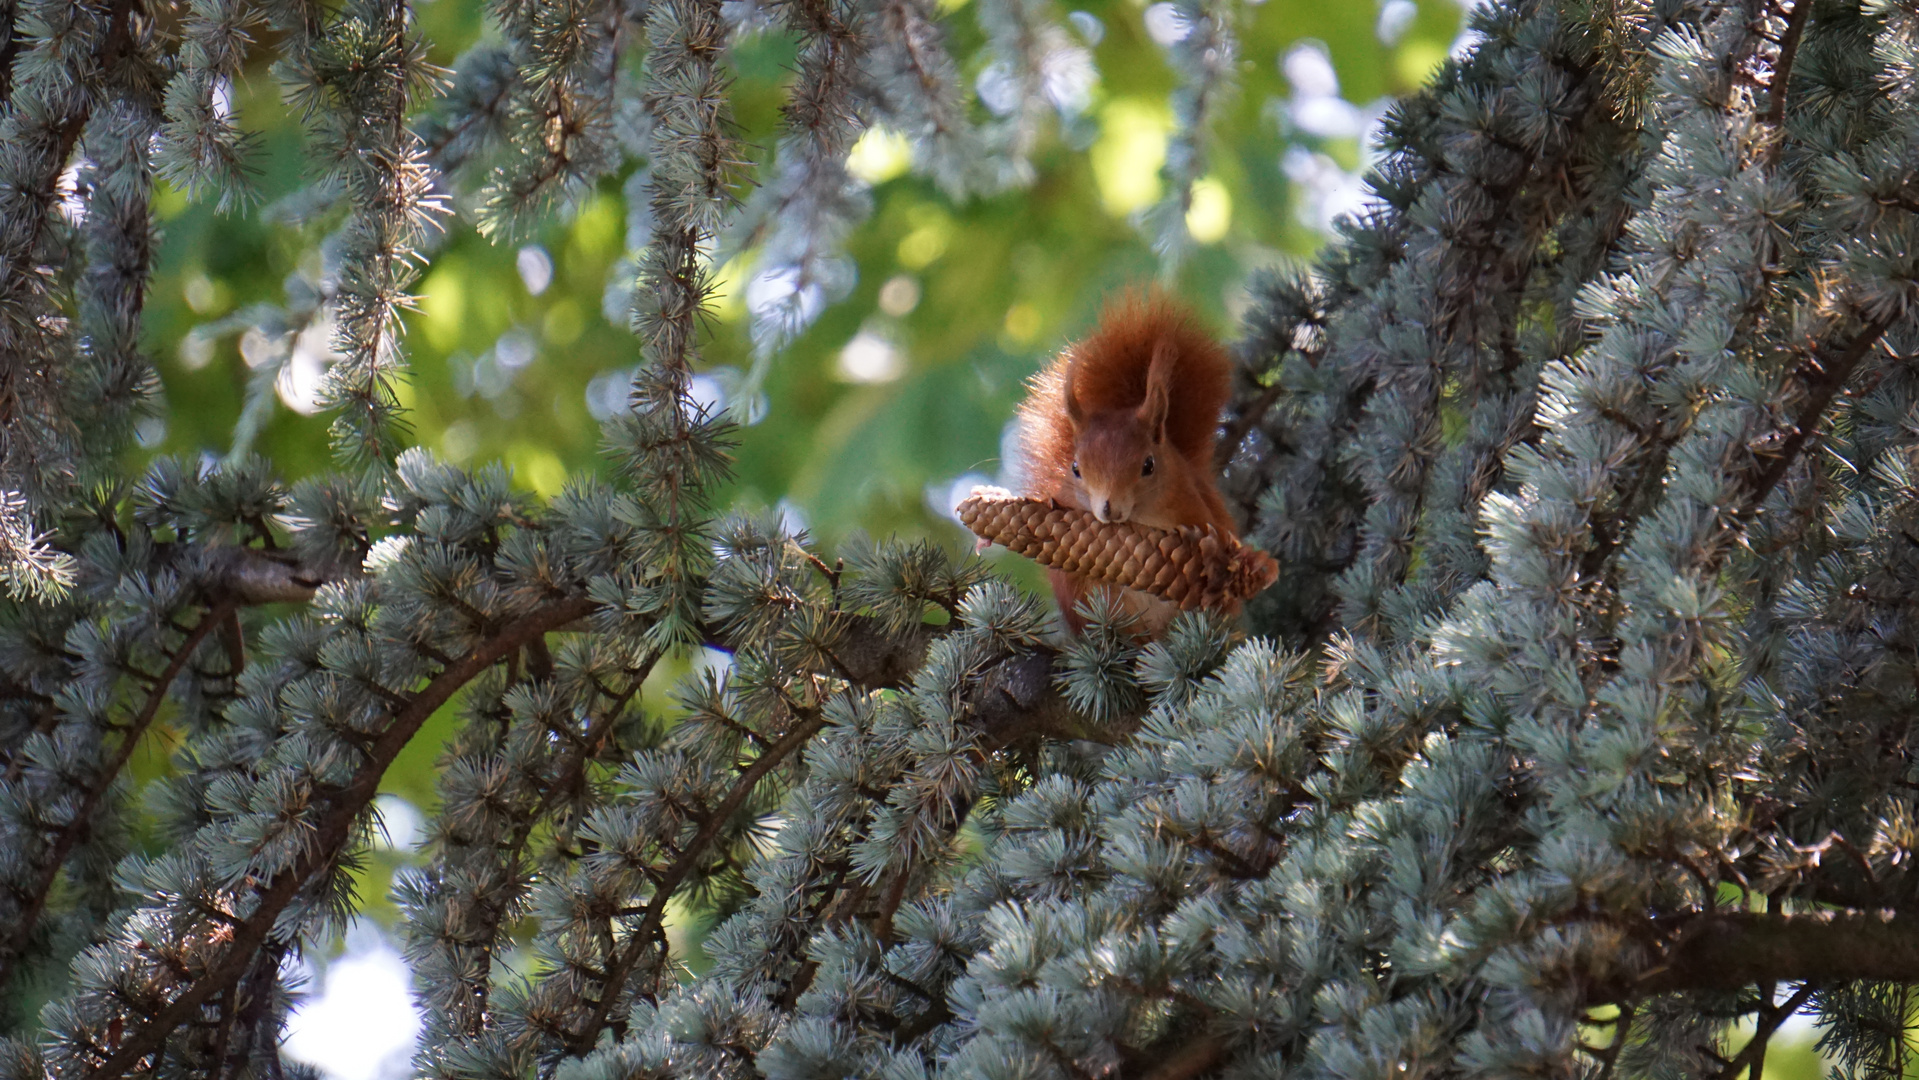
(1121, 457)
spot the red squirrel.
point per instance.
(1122, 424)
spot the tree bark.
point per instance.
(1735, 950)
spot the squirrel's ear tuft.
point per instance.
(1073, 410)
(1159, 377)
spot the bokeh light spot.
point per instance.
(1129, 153)
(1416, 61)
(899, 296)
(932, 231)
(539, 469)
(870, 358)
(1211, 212)
(363, 1023)
(880, 155)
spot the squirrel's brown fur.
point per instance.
(1135, 406)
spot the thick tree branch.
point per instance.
(1196, 1058)
(251, 577)
(869, 655)
(1016, 699)
(1735, 950)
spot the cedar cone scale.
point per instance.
(1194, 566)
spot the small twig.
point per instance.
(668, 883)
(831, 574)
(1243, 424)
(1832, 378)
(1770, 1017)
(1622, 1026)
(69, 835)
(1782, 72)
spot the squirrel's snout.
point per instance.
(1104, 506)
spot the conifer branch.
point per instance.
(331, 833)
(43, 119)
(82, 818)
(1827, 376)
(559, 102)
(476, 114)
(564, 780)
(358, 85)
(1205, 58)
(648, 935)
(917, 90)
(801, 217)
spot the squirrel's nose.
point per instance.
(1103, 510)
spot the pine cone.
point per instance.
(1194, 566)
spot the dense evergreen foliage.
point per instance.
(1579, 725)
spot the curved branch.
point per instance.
(1770, 1018)
(334, 829)
(1015, 699)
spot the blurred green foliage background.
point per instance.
(959, 302)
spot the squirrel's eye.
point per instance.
(1147, 469)
(1075, 470)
